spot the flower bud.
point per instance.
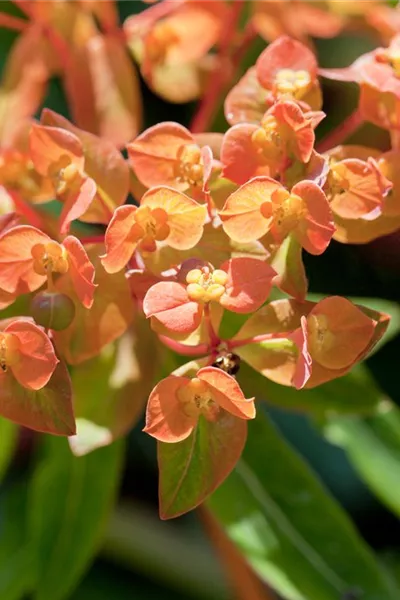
(53, 310)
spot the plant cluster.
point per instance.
(195, 233)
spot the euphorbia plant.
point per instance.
(153, 251)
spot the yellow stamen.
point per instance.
(49, 258)
(189, 165)
(206, 286)
(9, 345)
(196, 399)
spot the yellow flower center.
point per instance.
(159, 40)
(9, 345)
(151, 226)
(196, 399)
(320, 339)
(337, 182)
(64, 174)
(17, 172)
(287, 209)
(292, 83)
(205, 285)
(267, 139)
(49, 258)
(189, 165)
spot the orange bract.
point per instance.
(164, 215)
(27, 354)
(176, 403)
(28, 258)
(264, 206)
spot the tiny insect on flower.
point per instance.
(176, 403)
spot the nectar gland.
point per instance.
(64, 174)
(205, 285)
(189, 166)
(196, 399)
(150, 226)
(292, 83)
(9, 345)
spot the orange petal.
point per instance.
(120, 239)
(81, 270)
(284, 53)
(153, 154)
(36, 357)
(239, 155)
(77, 203)
(248, 286)
(186, 218)
(338, 332)
(49, 144)
(16, 272)
(169, 303)
(227, 393)
(316, 228)
(241, 215)
(165, 417)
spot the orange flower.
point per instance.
(333, 336)
(58, 154)
(263, 206)
(356, 188)
(29, 257)
(286, 134)
(167, 154)
(286, 70)
(164, 215)
(27, 354)
(240, 285)
(176, 403)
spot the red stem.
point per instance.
(341, 132)
(213, 337)
(11, 22)
(200, 350)
(221, 74)
(92, 239)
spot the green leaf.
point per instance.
(48, 410)
(8, 440)
(290, 529)
(190, 470)
(70, 501)
(16, 562)
(353, 393)
(373, 447)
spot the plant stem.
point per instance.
(200, 350)
(221, 74)
(341, 132)
(213, 337)
(254, 340)
(11, 22)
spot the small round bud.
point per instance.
(53, 310)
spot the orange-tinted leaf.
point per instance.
(81, 270)
(227, 393)
(48, 410)
(165, 416)
(50, 144)
(76, 203)
(120, 239)
(16, 260)
(304, 361)
(35, 361)
(240, 157)
(192, 469)
(316, 228)
(169, 304)
(249, 284)
(109, 317)
(287, 261)
(247, 101)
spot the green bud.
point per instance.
(53, 310)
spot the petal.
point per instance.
(77, 203)
(239, 155)
(227, 393)
(304, 361)
(186, 218)
(165, 418)
(48, 144)
(153, 154)
(81, 270)
(16, 272)
(301, 138)
(241, 216)
(284, 53)
(249, 284)
(247, 101)
(316, 228)
(338, 332)
(208, 163)
(169, 303)
(36, 357)
(120, 241)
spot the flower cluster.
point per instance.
(193, 227)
